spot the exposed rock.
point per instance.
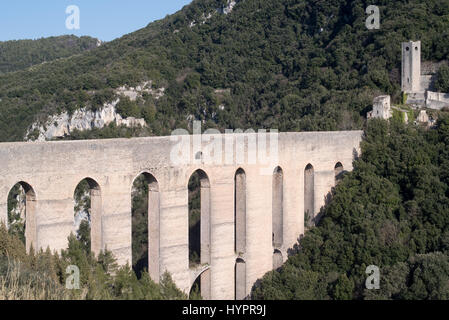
(63, 124)
(133, 93)
(203, 20)
(229, 7)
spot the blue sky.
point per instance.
(103, 19)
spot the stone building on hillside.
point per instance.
(381, 108)
(417, 79)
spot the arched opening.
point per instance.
(277, 207)
(195, 290)
(199, 227)
(277, 259)
(309, 194)
(22, 213)
(145, 211)
(87, 215)
(338, 172)
(240, 211)
(240, 279)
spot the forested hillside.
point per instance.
(286, 64)
(392, 211)
(21, 54)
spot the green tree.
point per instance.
(442, 82)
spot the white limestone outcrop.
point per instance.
(82, 119)
(60, 125)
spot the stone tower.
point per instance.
(411, 66)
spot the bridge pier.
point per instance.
(114, 230)
(293, 205)
(174, 229)
(4, 212)
(259, 247)
(222, 234)
(53, 222)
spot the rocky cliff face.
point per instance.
(229, 7)
(63, 124)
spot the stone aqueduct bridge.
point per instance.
(248, 219)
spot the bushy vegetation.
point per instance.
(21, 54)
(287, 64)
(442, 82)
(391, 211)
(42, 275)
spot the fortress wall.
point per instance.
(53, 170)
(437, 100)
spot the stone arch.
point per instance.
(309, 193)
(196, 275)
(338, 172)
(277, 207)
(147, 184)
(26, 197)
(278, 260)
(240, 279)
(95, 212)
(203, 235)
(240, 211)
